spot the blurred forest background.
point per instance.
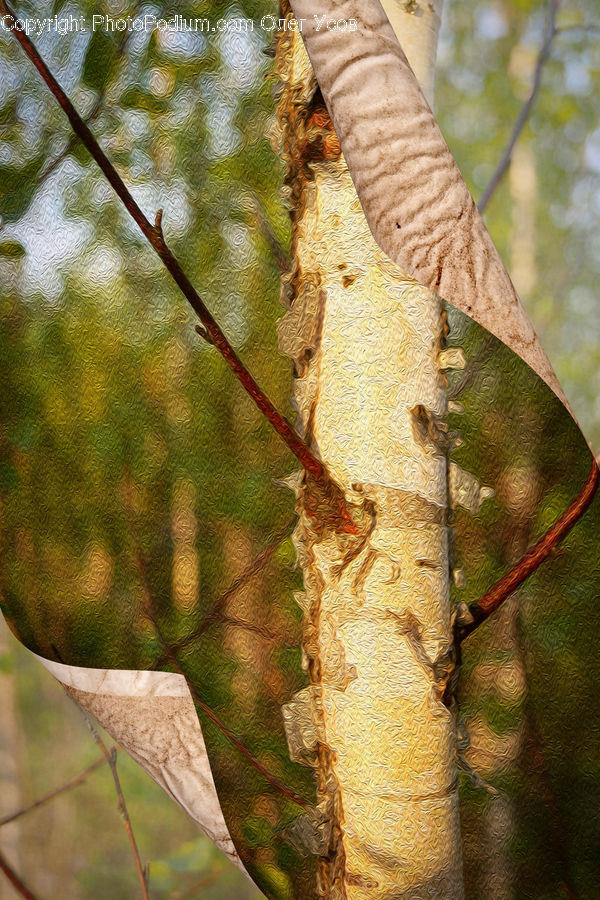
(105, 385)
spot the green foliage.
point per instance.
(99, 61)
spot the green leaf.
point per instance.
(12, 249)
(276, 880)
(99, 62)
(17, 187)
(135, 98)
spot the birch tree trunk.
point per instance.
(368, 346)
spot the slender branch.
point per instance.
(111, 758)
(91, 117)
(550, 33)
(14, 879)
(155, 237)
(67, 786)
(535, 556)
(215, 614)
(231, 737)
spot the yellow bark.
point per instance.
(368, 346)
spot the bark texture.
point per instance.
(415, 200)
(368, 346)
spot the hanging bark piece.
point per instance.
(466, 491)
(152, 716)
(415, 200)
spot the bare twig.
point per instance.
(91, 117)
(535, 556)
(550, 33)
(67, 786)
(212, 331)
(155, 237)
(254, 568)
(14, 879)
(111, 758)
(170, 656)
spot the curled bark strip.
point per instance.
(534, 557)
(414, 198)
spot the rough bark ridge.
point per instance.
(368, 346)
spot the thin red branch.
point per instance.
(534, 557)
(14, 879)
(111, 758)
(67, 786)
(550, 33)
(154, 235)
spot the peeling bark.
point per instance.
(368, 347)
(415, 200)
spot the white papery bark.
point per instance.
(368, 344)
(152, 716)
(415, 200)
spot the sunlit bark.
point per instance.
(368, 347)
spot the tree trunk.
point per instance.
(368, 347)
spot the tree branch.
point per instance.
(550, 33)
(215, 614)
(67, 786)
(534, 557)
(111, 758)
(155, 237)
(93, 114)
(170, 656)
(14, 879)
